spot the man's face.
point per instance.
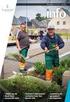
(51, 31)
(22, 27)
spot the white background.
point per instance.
(7, 9)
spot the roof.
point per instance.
(39, 24)
(17, 21)
(66, 11)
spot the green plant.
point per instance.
(58, 75)
(54, 87)
(22, 84)
(18, 57)
(27, 84)
(40, 68)
(65, 63)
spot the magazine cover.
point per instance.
(36, 66)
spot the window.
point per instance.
(64, 22)
(58, 22)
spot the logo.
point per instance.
(56, 14)
(7, 8)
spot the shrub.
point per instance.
(58, 75)
(28, 84)
(24, 84)
(65, 63)
(18, 57)
(54, 87)
(40, 68)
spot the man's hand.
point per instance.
(19, 49)
(57, 47)
(46, 49)
(32, 40)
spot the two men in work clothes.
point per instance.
(51, 43)
(23, 43)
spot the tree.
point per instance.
(38, 17)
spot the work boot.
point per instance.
(49, 75)
(22, 66)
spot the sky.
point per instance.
(31, 11)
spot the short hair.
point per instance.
(41, 31)
(22, 23)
